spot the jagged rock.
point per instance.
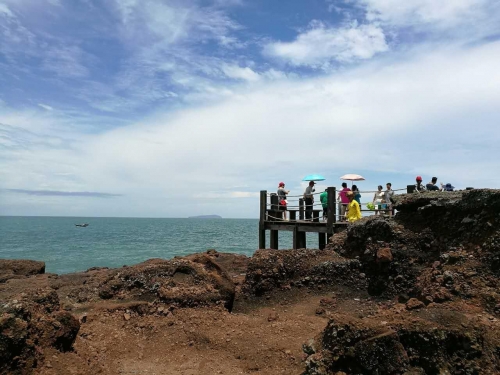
(13, 268)
(356, 350)
(414, 303)
(275, 269)
(192, 281)
(363, 347)
(29, 322)
(384, 255)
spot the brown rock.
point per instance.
(384, 255)
(126, 316)
(414, 303)
(272, 316)
(12, 268)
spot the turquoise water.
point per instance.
(114, 242)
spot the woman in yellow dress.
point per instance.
(353, 211)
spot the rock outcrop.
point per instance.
(13, 268)
(437, 262)
(270, 270)
(410, 344)
(32, 318)
(29, 323)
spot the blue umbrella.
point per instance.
(314, 177)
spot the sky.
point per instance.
(163, 108)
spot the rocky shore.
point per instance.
(414, 294)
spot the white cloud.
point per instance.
(4, 9)
(45, 106)
(236, 72)
(171, 22)
(320, 45)
(409, 12)
(407, 116)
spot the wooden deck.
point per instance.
(298, 226)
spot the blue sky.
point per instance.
(159, 108)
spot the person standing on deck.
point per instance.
(282, 202)
(357, 195)
(353, 211)
(378, 199)
(388, 198)
(343, 199)
(323, 198)
(309, 199)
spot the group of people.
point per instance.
(383, 200)
(431, 186)
(350, 199)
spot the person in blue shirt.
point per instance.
(357, 195)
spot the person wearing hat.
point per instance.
(282, 193)
(309, 199)
(448, 187)
(353, 212)
(419, 186)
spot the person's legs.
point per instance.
(309, 208)
(342, 212)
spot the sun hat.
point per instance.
(449, 187)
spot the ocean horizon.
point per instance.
(119, 241)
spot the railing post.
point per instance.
(262, 219)
(301, 209)
(332, 219)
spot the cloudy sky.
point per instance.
(164, 108)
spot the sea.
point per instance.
(114, 242)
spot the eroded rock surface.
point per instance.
(436, 265)
(13, 268)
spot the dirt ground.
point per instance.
(261, 340)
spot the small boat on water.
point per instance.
(82, 225)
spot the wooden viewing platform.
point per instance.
(269, 220)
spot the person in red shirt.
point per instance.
(344, 200)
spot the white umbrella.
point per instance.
(352, 177)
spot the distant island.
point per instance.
(205, 217)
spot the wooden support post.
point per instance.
(293, 215)
(301, 209)
(332, 200)
(262, 219)
(302, 240)
(316, 216)
(296, 237)
(274, 239)
(322, 240)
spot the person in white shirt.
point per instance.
(309, 199)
